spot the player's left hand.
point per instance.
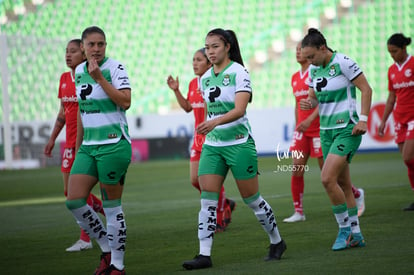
(360, 128)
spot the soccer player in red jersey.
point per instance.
(401, 101)
(195, 102)
(68, 116)
(306, 142)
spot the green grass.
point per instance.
(161, 209)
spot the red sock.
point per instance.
(355, 191)
(84, 237)
(95, 203)
(297, 186)
(410, 166)
(220, 206)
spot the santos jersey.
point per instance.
(335, 92)
(103, 121)
(67, 95)
(219, 92)
(401, 81)
(300, 89)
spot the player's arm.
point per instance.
(122, 97)
(57, 128)
(174, 85)
(79, 133)
(240, 104)
(389, 107)
(366, 95)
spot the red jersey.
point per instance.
(300, 88)
(67, 95)
(196, 100)
(401, 81)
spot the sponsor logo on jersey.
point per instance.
(69, 99)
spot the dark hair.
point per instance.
(203, 51)
(229, 37)
(92, 29)
(314, 38)
(399, 40)
(77, 41)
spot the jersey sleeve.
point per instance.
(350, 68)
(120, 79)
(61, 81)
(243, 81)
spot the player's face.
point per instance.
(74, 55)
(398, 54)
(94, 46)
(216, 49)
(299, 57)
(316, 56)
(200, 63)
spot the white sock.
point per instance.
(116, 226)
(89, 221)
(207, 225)
(264, 214)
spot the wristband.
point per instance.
(363, 118)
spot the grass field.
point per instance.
(162, 207)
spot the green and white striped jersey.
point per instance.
(335, 91)
(219, 94)
(103, 121)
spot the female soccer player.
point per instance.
(68, 116)
(332, 80)
(306, 140)
(195, 102)
(104, 154)
(401, 90)
(229, 145)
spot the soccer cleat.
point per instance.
(410, 207)
(112, 270)
(276, 251)
(357, 240)
(296, 217)
(343, 238)
(198, 262)
(79, 246)
(360, 202)
(104, 264)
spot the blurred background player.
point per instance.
(306, 140)
(401, 101)
(68, 116)
(195, 102)
(333, 79)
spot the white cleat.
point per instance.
(360, 202)
(79, 246)
(296, 217)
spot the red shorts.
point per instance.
(404, 131)
(67, 159)
(195, 154)
(306, 144)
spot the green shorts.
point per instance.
(108, 163)
(241, 159)
(340, 142)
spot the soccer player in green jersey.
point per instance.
(229, 145)
(333, 79)
(104, 94)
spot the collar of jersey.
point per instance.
(225, 68)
